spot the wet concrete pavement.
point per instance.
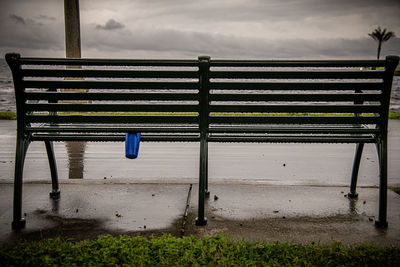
(99, 208)
(271, 192)
(300, 214)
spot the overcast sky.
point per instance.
(263, 29)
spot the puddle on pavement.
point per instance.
(76, 153)
(79, 229)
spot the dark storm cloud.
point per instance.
(111, 24)
(45, 17)
(40, 40)
(17, 19)
(29, 30)
(37, 20)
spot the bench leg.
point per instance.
(207, 192)
(55, 193)
(354, 174)
(20, 153)
(382, 155)
(201, 220)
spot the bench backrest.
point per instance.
(327, 96)
(192, 96)
(123, 95)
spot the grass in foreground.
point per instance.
(191, 251)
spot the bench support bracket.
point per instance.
(381, 147)
(201, 220)
(55, 193)
(22, 147)
(354, 174)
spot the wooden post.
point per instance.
(75, 150)
(72, 29)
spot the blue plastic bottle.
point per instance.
(132, 142)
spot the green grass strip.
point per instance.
(8, 116)
(381, 68)
(395, 189)
(190, 251)
(394, 116)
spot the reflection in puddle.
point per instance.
(352, 206)
(76, 151)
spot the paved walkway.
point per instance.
(284, 164)
(301, 214)
(269, 192)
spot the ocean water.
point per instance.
(7, 100)
(395, 98)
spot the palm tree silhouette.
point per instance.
(381, 36)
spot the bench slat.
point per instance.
(327, 108)
(297, 86)
(84, 73)
(165, 96)
(310, 74)
(113, 128)
(212, 129)
(297, 63)
(355, 108)
(333, 97)
(112, 119)
(293, 139)
(72, 107)
(109, 62)
(292, 120)
(113, 138)
(300, 129)
(109, 85)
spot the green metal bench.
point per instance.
(202, 101)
